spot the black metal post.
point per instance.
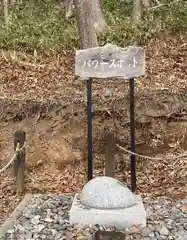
(132, 134)
(89, 126)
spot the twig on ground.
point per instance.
(157, 6)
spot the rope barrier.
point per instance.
(150, 158)
(120, 147)
(13, 158)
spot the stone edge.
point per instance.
(9, 223)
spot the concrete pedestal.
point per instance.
(121, 218)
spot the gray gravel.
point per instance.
(47, 218)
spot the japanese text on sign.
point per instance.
(110, 61)
(113, 63)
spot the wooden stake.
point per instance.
(110, 150)
(19, 165)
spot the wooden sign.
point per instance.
(108, 235)
(110, 61)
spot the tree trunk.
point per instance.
(85, 24)
(90, 22)
(97, 16)
(137, 11)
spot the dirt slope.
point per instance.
(43, 97)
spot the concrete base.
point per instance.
(121, 218)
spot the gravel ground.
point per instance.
(47, 218)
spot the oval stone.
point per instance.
(106, 193)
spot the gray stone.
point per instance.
(63, 238)
(145, 232)
(185, 226)
(159, 210)
(35, 219)
(163, 231)
(40, 227)
(178, 205)
(151, 234)
(28, 235)
(28, 226)
(48, 219)
(178, 236)
(10, 231)
(138, 237)
(175, 210)
(163, 237)
(95, 227)
(61, 213)
(106, 193)
(54, 210)
(27, 215)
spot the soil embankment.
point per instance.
(43, 97)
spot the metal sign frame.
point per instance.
(132, 132)
(96, 62)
